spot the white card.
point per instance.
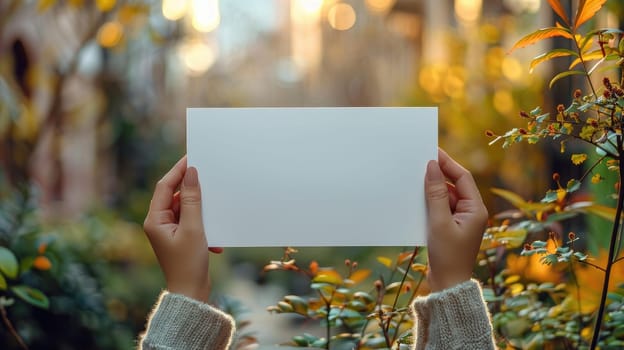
(312, 176)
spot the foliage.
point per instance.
(355, 317)
(595, 120)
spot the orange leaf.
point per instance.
(314, 266)
(541, 34)
(360, 275)
(403, 257)
(556, 6)
(42, 263)
(586, 10)
(42, 248)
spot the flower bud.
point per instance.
(577, 93)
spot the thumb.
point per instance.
(190, 202)
(436, 193)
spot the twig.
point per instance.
(9, 325)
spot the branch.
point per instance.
(9, 325)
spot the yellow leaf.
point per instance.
(328, 276)
(45, 4)
(596, 178)
(558, 8)
(561, 194)
(418, 267)
(541, 34)
(586, 10)
(105, 5)
(579, 158)
(590, 56)
(599, 210)
(385, 261)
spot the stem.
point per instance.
(9, 325)
(612, 246)
(396, 299)
(580, 52)
(578, 300)
(412, 297)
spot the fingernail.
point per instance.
(190, 178)
(433, 171)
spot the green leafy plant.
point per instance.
(593, 119)
(352, 315)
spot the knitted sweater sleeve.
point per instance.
(182, 323)
(455, 318)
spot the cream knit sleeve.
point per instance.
(455, 318)
(181, 323)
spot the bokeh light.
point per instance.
(309, 6)
(341, 16)
(206, 15)
(380, 6)
(468, 10)
(174, 9)
(197, 56)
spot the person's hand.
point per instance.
(457, 218)
(175, 230)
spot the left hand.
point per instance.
(175, 230)
(457, 218)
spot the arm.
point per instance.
(454, 316)
(181, 319)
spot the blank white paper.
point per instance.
(312, 176)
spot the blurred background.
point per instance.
(92, 112)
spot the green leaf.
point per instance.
(3, 283)
(563, 75)
(541, 34)
(8, 263)
(299, 305)
(550, 197)
(550, 55)
(32, 296)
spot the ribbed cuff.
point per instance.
(454, 318)
(179, 322)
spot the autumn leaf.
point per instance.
(387, 262)
(359, 275)
(42, 263)
(541, 34)
(550, 55)
(586, 10)
(558, 8)
(579, 158)
(596, 178)
(590, 56)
